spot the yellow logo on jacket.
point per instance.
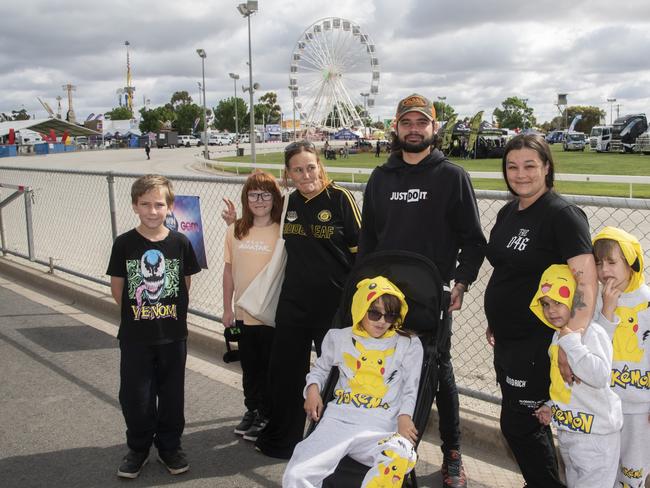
(324, 215)
(559, 391)
(626, 342)
(368, 369)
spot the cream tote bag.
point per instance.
(260, 299)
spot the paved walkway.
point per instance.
(61, 424)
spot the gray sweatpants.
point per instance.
(388, 455)
(635, 450)
(591, 460)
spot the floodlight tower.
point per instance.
(58, 108)
(562, 102)
(70, 117)
(246, 10)
(128, 89)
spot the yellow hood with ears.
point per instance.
(558, 284)
(368, 290)
(632, 251)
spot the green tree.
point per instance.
(156, 119)
(515, 114)
(149, 121)
(224, 115)
(269, 107)
(591, 116)
(180, 98)
(186, 115)
(119, 113)
(334, 119)
(443, 110)
(364, 114)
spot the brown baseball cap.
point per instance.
(416, 103)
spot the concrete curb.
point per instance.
(478, 430)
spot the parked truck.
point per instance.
(167, 138)
(643, 143)
(625, 130)
(600, 138)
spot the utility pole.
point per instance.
(611, 111)
(70, 116)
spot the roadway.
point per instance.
(178, 161)
(61, 424)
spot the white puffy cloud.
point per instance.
(472, 52)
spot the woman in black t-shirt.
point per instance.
(534, 230)
(321, 231)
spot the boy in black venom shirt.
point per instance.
(150, 269)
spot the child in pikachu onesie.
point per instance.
(369, 418)
(622, 310)
(587, 414)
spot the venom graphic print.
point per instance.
(151, 280)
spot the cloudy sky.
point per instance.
(474, 53)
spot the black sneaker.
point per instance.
(258, 426)
(246, 422)
(174, 461)
(452, 470)
(132, 464)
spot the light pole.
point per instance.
(247, 9)
(365, 112)
(441, 118)
(611, 110)
(525, 100)
(206, 153)
(235, 77)
(293, 99)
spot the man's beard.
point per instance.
(411, 147)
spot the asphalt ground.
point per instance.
(61, 423)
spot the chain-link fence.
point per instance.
(72, 229)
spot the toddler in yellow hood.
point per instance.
(370, 416)
(587, 414)
(623, 312)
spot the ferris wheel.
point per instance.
(334, 74)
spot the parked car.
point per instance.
(81, 142)
(574, 141)
(219, 140)
(555, 136)
(188, 141)
(245, 138)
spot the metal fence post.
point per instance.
(2, 235)
(29, 195)
(111, 203)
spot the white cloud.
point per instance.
(473, 52)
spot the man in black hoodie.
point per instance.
(419, 201)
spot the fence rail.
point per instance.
(76, 215)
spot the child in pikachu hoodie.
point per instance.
(369, 418)
(622, 310)
(587, 414)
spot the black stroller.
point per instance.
(420, 281)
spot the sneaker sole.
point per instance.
(250, 438)
(174, 470)
(124, 474)
(240, 432)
